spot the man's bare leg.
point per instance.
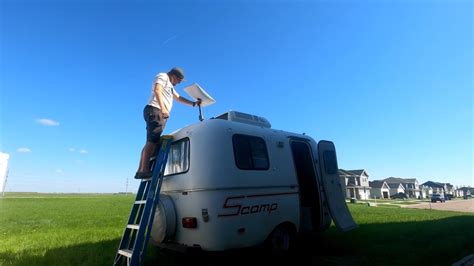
(148, 150)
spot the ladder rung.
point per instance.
(146, 179)
(140, 202)
(125, 252)
(133, 226)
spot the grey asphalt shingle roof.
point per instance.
(393, 185)
(376, 184)
(399, 180)
(433, 184)
(344, 172)
(356, 172)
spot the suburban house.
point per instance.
(426, 191)
(448, 188)
(355, 183)
(440, 188)
(433, 188)
(467, 191)
(395, 188)
(410, 185)
(379, 189)
(459, 192)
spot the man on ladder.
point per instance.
(133, 245)
(157, 112)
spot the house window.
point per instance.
(178, 158)
(250, 152)
(330, 162)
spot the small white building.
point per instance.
(396, 188)
(356, 183)
(426, 191)
(410, 185)
(379, 189)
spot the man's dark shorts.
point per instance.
(155, 123)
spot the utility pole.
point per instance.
(126, 185)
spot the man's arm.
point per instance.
(158, 95)
(181, 99)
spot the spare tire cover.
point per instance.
(164, 223)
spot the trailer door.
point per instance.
(333, 188)
(308, 186)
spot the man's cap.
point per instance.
(178, 72)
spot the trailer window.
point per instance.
(330, 162)
(250, 152)
(178, 158)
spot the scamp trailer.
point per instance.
(233, 181)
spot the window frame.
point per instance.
(247, 137)
(189, 156)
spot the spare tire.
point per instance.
(164, 223)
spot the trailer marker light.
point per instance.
(189, 222)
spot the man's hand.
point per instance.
(198, 102)
(166, 114)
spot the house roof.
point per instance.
(357, 172)
(344, 172)
(433, 184)
(394, 185)
(376, 184)
(448, 185)
(400, 180)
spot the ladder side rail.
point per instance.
(147, 182)
(149, 202)
(151, 217)
(128, 236)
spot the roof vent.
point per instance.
(245, 118)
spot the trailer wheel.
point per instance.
(281, 239)
(164, 224)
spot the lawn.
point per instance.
(59, 229)
(399, 236)
(75, 229)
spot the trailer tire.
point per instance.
(164, 223)
(281, 239)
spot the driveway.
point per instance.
(450, 205)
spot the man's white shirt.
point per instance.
(166, 93)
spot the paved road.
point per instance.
(450, 205)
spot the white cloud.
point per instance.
(83, 151)
(23, 149)
(72, 149)
(47, 122)
(59, 171)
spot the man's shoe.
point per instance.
(143, 175)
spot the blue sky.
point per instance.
(390, 82)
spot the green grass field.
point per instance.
(56, 229)
(75, 229)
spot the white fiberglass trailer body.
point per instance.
(233, 182)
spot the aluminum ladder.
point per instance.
(133, 246)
